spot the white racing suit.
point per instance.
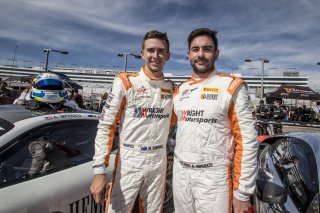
(215, 133)
(143, 106)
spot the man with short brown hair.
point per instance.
(142, 103)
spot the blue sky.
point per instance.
(286, 32)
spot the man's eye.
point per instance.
(150, 50)
(207, 49)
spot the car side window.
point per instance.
(48, 149)
(296, 165)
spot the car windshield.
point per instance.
(5, 126)
(296, 164)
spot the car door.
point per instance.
(290, 163)
(49, 169)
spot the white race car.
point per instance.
(46, 161)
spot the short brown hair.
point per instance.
(204, 31)
(156, 34)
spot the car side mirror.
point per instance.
(271, 193)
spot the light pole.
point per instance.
(13, 60)
(47, 51)
(125, 55)
(263, 61)
(15, 52)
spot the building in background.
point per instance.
(97, 81)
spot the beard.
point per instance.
(203, 69)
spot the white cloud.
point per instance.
(286, 34)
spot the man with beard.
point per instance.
(216, 143)
(142, 105)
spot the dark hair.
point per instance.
(204, 31)
(156, 34)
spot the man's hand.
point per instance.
(97, 188)
(241, 206)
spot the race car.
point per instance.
(46, 160)
(288, 174)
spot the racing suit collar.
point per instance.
(143, 71)
(196, 79)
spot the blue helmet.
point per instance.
(48, 88)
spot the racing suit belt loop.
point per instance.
(143, 148)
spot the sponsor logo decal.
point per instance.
(142, 90)
(70, 116)
(195, 116)
(194, 89)
(209, 96)
(50, 117)
(163, 90)
(153, 112)
(186, 92)
(86, 204)
(210, 90)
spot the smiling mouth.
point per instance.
(155, 62)
(201, 63)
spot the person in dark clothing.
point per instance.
(6, 96)
(262, 110)
(278, 114)
(103, 101)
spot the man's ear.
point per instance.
(216, 55)
(168, 56)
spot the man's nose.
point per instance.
(200, 53)
(156, 54)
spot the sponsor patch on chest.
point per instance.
(142, 92)
(209, 93)
(209, 96)
(210, 90)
